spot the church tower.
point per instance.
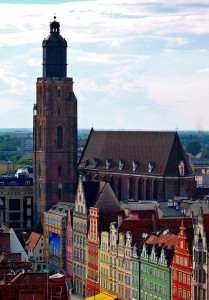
(54, 129)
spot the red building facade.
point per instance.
(92, 284)
(54, 129)
(181, 279)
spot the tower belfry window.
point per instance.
(59, 137)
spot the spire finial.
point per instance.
(54, 16)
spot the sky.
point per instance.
(136, 64)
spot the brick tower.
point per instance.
(54, 129)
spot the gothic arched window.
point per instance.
(59, 137)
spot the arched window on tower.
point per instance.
(40, 138)
(59, 137)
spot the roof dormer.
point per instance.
(151, 166)
(95, 162)
(135, 165)
(121, 164)
(181, 168)
(108, 163)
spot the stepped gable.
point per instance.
(107, 217)
(137, 228)
(140, 146)
(33, 240)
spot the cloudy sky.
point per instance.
(136, 64)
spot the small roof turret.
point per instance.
(54, 26)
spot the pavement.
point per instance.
(76, 297)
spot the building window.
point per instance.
(164, 291)
(59, 138)
(59, 171)
(181, 168)
(177, 259)
(174, 290)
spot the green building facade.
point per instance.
(135, 274)
(155, 274)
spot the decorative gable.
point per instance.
(128, 239)
(135, 252)
(163, 258)
(144, 254)
(153, 256)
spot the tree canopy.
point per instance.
(193, 147)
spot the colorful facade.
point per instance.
(92, 284)
(104, 265)
(135, 273)
(121, 251)
(55, 223)
(182, 268)
(200, 257)
(69, 246)
(127, 266)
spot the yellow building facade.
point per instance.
(104, 262)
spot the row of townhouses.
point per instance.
(131, 254)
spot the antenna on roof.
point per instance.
(176, 128)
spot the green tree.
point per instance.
(193, 147)
(25, 161)
(205, 153)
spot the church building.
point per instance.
(54, 129)
(143, 165)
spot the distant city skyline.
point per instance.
(136, 64)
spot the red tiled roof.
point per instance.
(162, 148)
(137, 228)
(174, 226)
(33, 240)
